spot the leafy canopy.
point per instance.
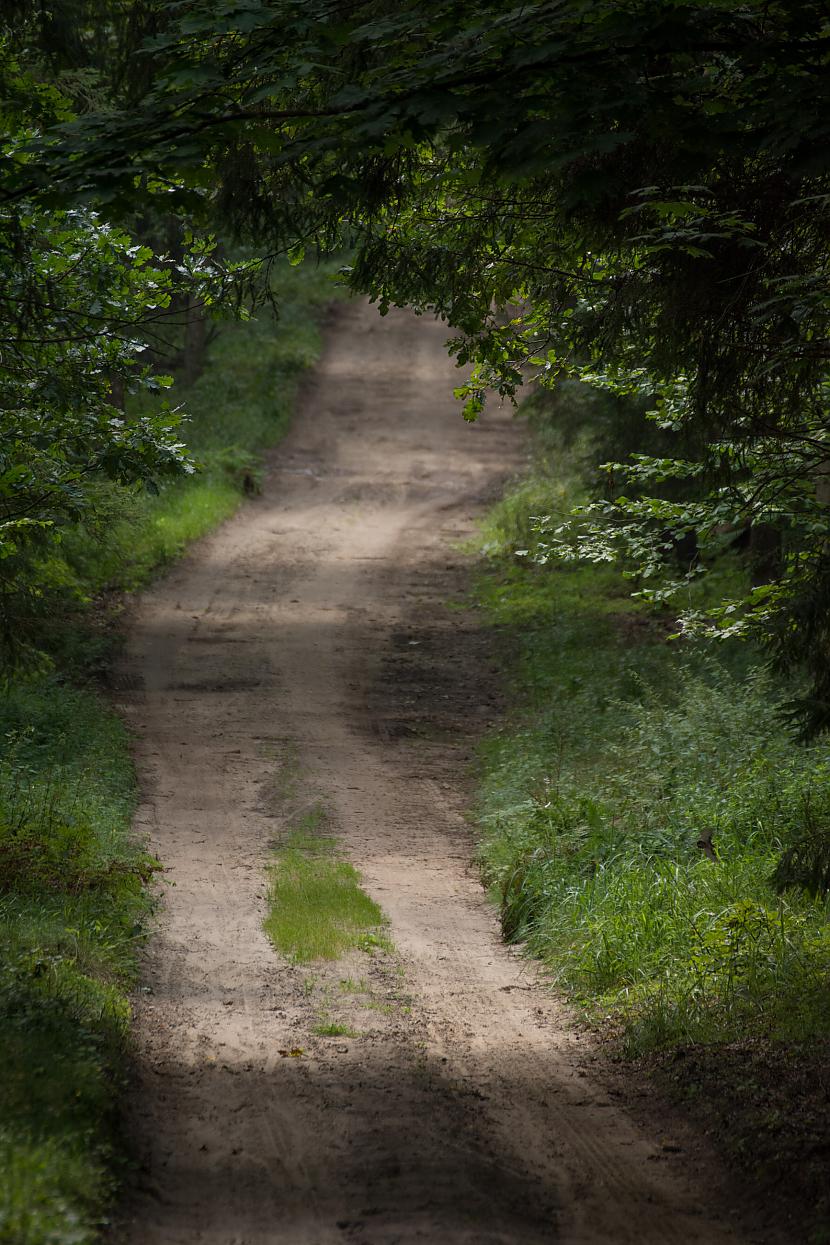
(632, 193)
(80, 305)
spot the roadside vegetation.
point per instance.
(651, 830)
(72, 906)
(239, 405)
(74, 899)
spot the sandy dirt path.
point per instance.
(304, 656)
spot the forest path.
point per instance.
(304, 656)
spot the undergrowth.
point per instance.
(73, 895)
(72, 906)
(643, 813)
(635, 807)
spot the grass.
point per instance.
(626, 753)
(348, 985)
(317, 908)
(72, 907)
(594, 802)
(73, 885)
(634, 807)
(333, 1028)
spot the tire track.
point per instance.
(312, 631)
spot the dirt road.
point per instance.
(304, 657)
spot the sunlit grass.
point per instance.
(318, 910)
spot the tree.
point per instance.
(79, 303)
(643, 183)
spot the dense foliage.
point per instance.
(635, 815)
(632, 193)
(80, 313)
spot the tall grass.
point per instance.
(633, 809)
(72, 906)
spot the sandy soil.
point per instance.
(305, 655)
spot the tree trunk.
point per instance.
(117, 392)
(764, 553)
(195, 335)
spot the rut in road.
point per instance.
(305, 654)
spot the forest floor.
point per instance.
(304, 667)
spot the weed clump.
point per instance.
(333, 1028)
(318, 910)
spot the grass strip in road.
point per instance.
(318, 910)
(334, 1028)
(74, 901)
